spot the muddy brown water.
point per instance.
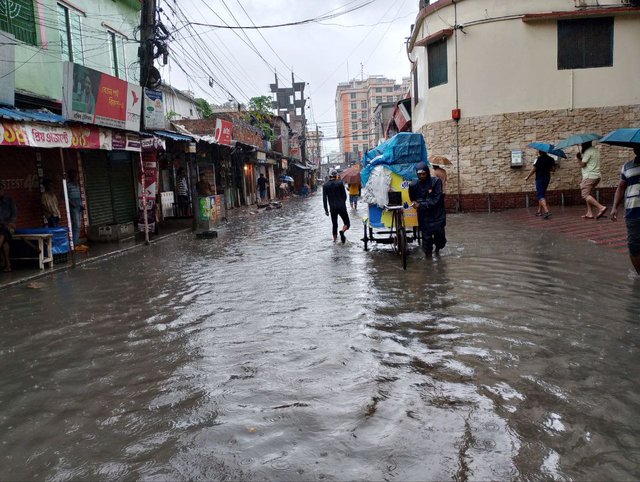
(271, 353)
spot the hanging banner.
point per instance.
(153, 110)
(93, 97)
(148, 191)
(153, 143)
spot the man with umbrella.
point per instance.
(589, 161)
(629, 190)
(351, 177)
(542, 168)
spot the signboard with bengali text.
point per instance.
(94, 97)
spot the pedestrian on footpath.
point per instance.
(76, 208)
(8, 216)
(49, 203)
(335, 195)
(428, 199)
(629, 190)
(589, 161)
(542, 168)
(262, 187)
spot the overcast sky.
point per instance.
(367, 41)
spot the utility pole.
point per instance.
(145, 52)
(147, 35)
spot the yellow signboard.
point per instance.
(399, 184)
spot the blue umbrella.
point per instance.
(628, 137)
(548, 148)
(577, 139)
(287, 178)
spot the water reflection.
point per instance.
(272, 353)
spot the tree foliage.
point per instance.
(205, 107)
(259, 115)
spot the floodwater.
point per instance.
(271, 353)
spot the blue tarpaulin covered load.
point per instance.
(400, 154)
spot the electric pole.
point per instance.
(147, 36)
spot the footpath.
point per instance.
(568, 222)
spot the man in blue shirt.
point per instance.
(629, 189)
(75, 208)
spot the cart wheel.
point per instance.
(402, 246)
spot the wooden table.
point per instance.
(37, 243)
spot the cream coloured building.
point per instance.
(519, 71)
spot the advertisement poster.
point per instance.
(223, 132)
(93, 97)
(148, 190)
(210, 209)
(154, 117)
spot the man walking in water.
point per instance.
(333, 191)
(427, 198)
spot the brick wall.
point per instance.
(485, 152)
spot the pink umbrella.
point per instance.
(351, 175)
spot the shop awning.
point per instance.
(41, 115)
(304, 168)
(174, 136)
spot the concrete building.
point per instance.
(179, 104)
(314, 147)
(489, 77)
(356, 102)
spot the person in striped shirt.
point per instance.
(629, 190)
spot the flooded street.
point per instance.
(271, 353)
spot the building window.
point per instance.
(378, 89)
(378, 99)
(437, 58)
(354, 115)
(354, 126)
(17, 18)
(389, 99)
(585, 43)
(353, 95)
(389, 89)
(70, 35)
(354, 106)
(363, 104)
(354, 137)
(116, 52)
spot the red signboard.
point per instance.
(223, 132)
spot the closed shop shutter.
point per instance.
(97, 188)
(122, 187)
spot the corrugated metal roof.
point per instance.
(42, 115)
(173, 136)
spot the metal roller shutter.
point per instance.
(122, 187)
(97, 188)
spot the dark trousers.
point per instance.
(433, 235)
(53, 221)
(342, 212)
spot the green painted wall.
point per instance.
(39, 68)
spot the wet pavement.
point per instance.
(272, 353)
